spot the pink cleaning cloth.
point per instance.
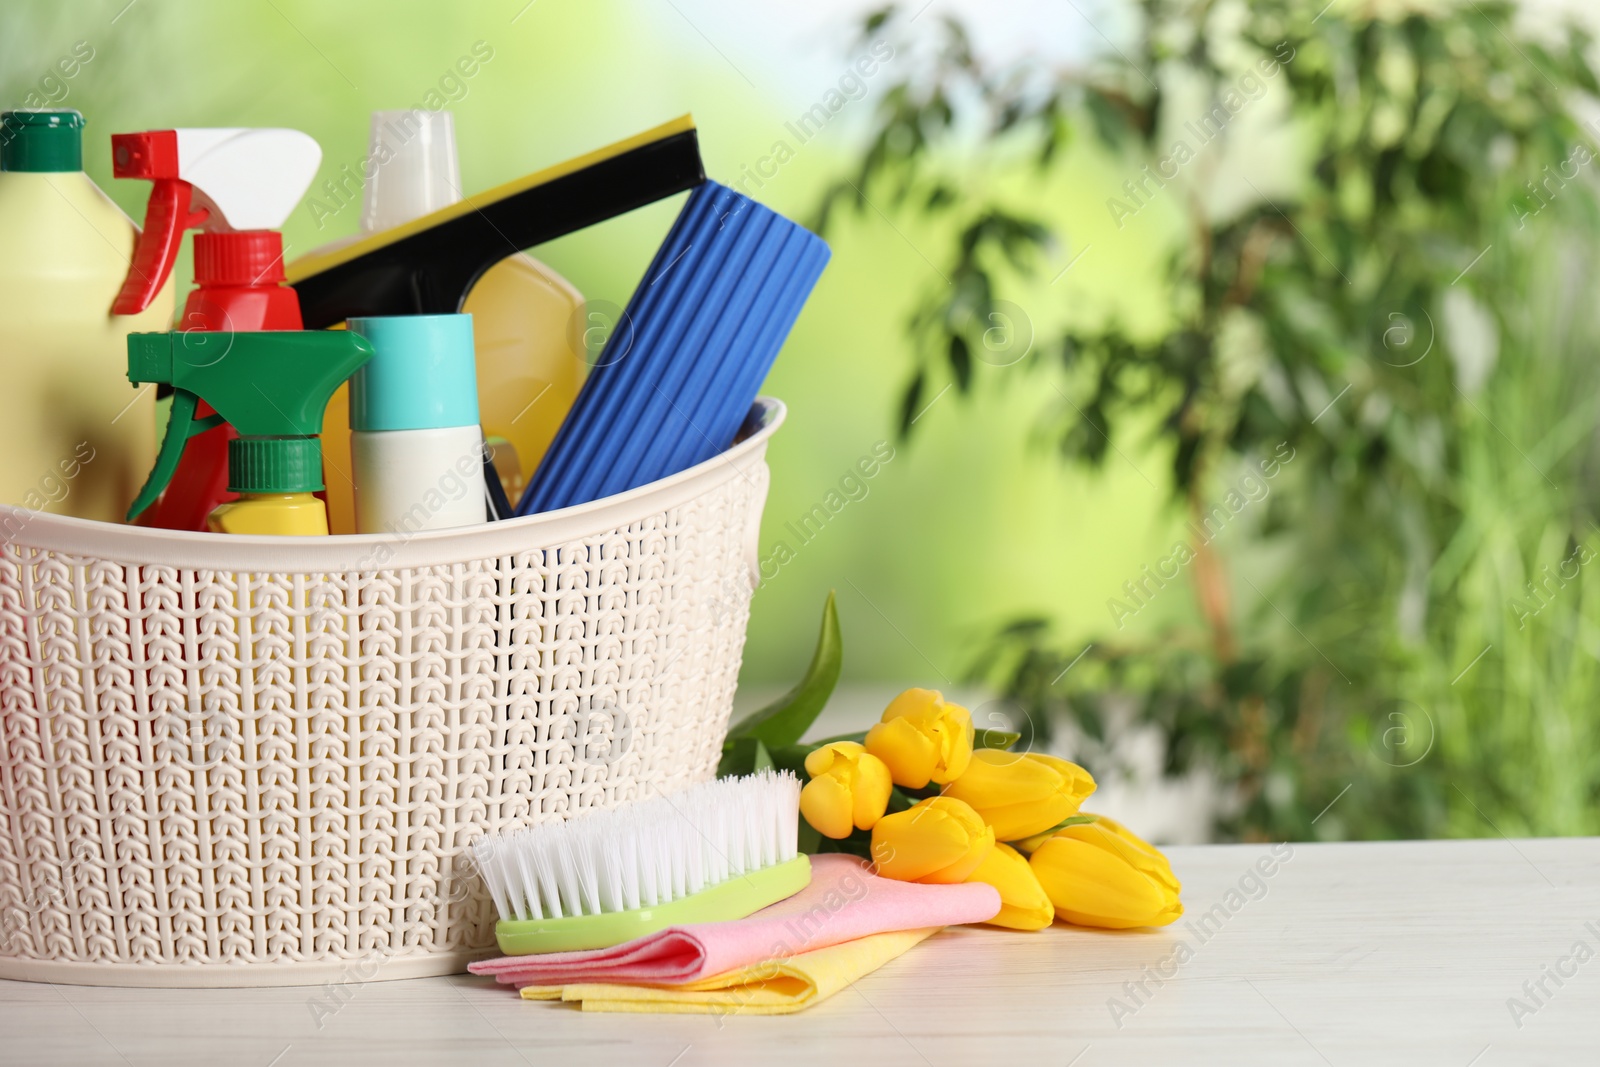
(843, 902)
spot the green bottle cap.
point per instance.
(274, 465)
(41, 140)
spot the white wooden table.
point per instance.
(1402, 953)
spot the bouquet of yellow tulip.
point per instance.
(927, 799)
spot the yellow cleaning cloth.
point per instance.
(775, 987)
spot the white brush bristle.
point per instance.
(646, 854)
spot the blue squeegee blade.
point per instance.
(809, 267)
(616, 372)
(713, 326)
(741, 347)
(592, 423)
(657, 322)
(676, 380)
(724, 410)
(716, 267)
(705, 386)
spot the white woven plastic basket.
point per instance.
(260, 761)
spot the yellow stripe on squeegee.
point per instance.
(317, 262)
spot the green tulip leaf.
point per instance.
(743, 756)
(791, 758)
(1001, 739)
(782, 723)
(898, 801)
(810, 839)
(1071, 820)
(857, 844)
(859, 737)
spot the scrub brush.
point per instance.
(715, 851)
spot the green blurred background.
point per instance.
(957, 534)
(977, 521)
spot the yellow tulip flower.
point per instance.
(1097, 877)
(922, 738)
(1139, 852)
(1021, 794)
(849, 788)
(939, 840)
(1023, 902)
(1028, 844)
(1107, 822)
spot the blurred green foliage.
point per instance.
(947, 540)
(1374, 379)
(1400, 539)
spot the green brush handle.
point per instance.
(733, 899)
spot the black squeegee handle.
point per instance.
(430, 272)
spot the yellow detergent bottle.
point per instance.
(524, 314)
(272, 386)
(76, 438)
(279, 514)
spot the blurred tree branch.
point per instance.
(1428, 139)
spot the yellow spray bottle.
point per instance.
(272, 387)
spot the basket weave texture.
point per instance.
(260, 761)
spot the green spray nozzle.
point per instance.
(271, 386)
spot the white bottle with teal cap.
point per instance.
(416, 448)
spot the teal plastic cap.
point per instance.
(422, 375)
(42, 139)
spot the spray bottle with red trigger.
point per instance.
(236, 187)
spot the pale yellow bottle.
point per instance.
(525, 316)
(77, 437)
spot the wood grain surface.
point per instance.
(1385, 953)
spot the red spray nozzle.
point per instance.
(153, 156)
(149, 155)
(246, 180)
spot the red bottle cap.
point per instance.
(246, 258)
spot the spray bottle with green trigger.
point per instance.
(272, 387)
